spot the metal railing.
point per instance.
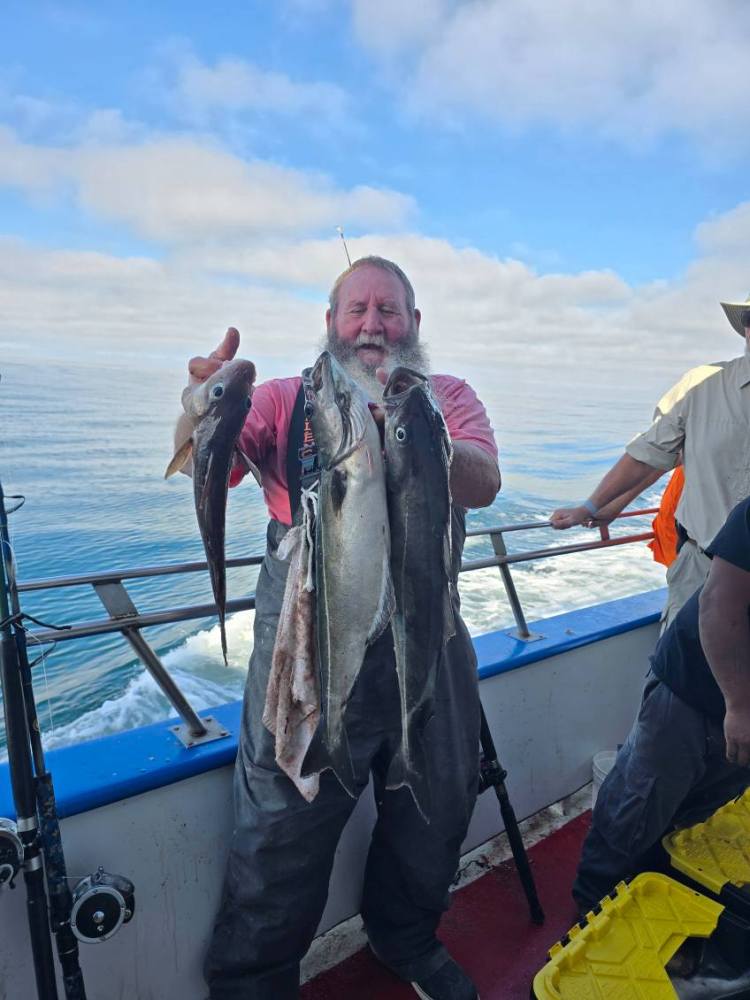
(124, 617)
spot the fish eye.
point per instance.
(248, 403)
(217, 391)
(401, 434)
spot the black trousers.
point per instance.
(283, 847)
(671, 772)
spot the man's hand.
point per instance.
(569, 517)
(377, 411)
(737, 734)
(202, 368)
(725, 637)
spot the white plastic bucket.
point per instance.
(601, 766)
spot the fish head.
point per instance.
(224, 395)
(338, 411)
(217, 409)
(414, 424)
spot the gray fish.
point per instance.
(217, 409)
(418, 455)
(354, 593)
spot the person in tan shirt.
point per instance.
(702, 421)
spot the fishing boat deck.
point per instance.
(487, 929)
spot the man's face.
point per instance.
(372, 320)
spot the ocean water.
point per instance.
(86, 440)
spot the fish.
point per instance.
(292, 708)
(418, 455)
(353, 588)
(217, 410)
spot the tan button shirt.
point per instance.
(706, 416)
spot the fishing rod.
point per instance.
(492, 775)
(23, 785)
(48, 834)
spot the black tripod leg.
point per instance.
(493, 775)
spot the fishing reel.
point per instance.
(11, 852)
(102, 903)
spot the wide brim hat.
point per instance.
(733, 312)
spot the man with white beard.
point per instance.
(282, 848)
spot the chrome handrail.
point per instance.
(126, 619)
(503, 561)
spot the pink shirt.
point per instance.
(264, 436)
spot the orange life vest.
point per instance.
(664, 544)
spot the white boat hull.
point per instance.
(548, 718)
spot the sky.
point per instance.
(565, 183)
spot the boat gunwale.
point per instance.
(111, 768)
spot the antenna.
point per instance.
(340, 231)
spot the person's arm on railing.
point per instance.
(606, 514)
(625, 480)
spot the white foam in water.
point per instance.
(196, 666)
(551, 586)
(204, 648)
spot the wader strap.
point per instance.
(683, 536)
(301, 452)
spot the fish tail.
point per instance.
(321, 756)
(408, 769)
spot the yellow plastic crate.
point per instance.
(622, 951)
(715, 854)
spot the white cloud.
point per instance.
(108, 306)
(727, 233)
(235, 85)
(480, 313)
(236, 98)
(179, 189)
(390, 26)
(630, 71)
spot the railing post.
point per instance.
(522, 629)
(120, 607)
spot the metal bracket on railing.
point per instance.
(194, 730)
(522, 631)
(213, 731)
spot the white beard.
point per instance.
(409, 353)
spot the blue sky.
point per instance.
(579, 166)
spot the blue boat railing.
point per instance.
(124, 617)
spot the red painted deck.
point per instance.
(487, 930)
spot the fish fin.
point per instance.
(206, 490)
(223, 631)
(359, 423)
(449, 619)
(320, 757)
(180, 458)
(248, 465)
(448, 615)
(386, 607)
(412, 773)
(289, 543)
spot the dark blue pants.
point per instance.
(282, 849)
(671, 772)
